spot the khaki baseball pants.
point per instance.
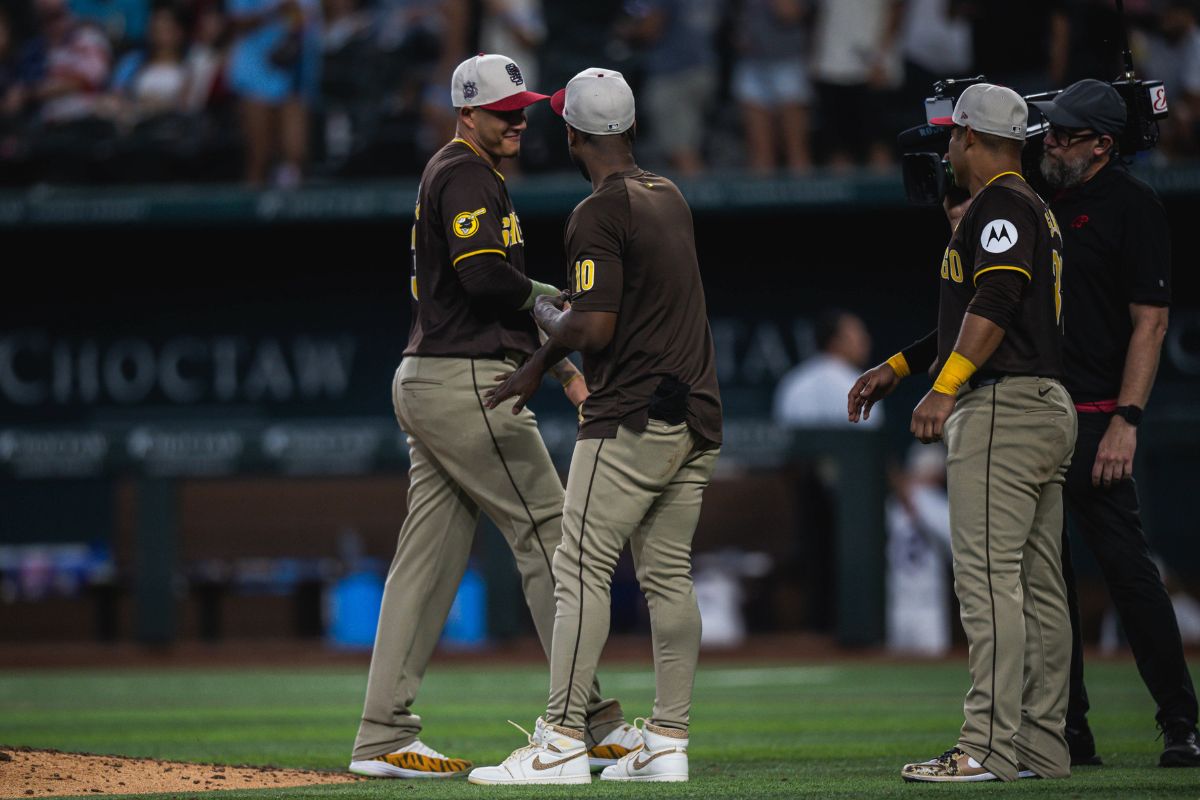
(646, 489)
(464, 459)
(1009, 446)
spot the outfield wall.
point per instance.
(243, 344)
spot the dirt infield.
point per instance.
(25, 772)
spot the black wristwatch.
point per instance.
(1131, 414)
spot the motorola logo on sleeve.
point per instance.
(998, 235)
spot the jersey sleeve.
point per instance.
(1003, 235)
(997, 296)
(595, 271)
(472, 211)
(1146, 252)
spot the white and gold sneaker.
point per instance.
(955, 765)
(661, 758)
(619, 743)
(553, 755)
(415, 760)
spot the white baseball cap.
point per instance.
(596, 101)
(491, 81)
(988, 108)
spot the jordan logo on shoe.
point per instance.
(539, 764)
(639, 764)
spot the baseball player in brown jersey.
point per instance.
(648, 439)
(1009, 427)
(471, 301)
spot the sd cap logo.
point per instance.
(466, 223)
(998, 235)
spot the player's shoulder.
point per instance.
(455, 163)
(1013, 188)
(650, 180)
(1008, 194)
(652, 188)
(610, 198)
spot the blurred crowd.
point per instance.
(277, 91)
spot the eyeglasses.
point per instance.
(1067, 137)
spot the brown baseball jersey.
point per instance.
(631, 250)
(464, 221)
(1008, 228)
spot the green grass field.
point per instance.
(822, 731)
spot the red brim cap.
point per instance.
(558, 101)
(947, 122)
(515, 101)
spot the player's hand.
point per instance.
(871, 387)
(557, 301)
(1114, 457)
(930, 415)
(955, 211)
(521, 384)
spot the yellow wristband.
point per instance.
(899, 365)
(955, 372)
(567, 382)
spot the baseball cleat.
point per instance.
(1180, 747)
(553, 755)
(619, 742)
(414, 760)
(953, 765)
(661, 758)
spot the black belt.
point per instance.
(990, 378)
(987, 379)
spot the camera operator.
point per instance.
(1117, 289)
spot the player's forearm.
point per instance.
(555, 355)
(1141, 360)
(491, 279)
(564, 327)
(977, 340)
(917, 357)
(549, 357)
(564, 371)
(557, 326)
(990, 312)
